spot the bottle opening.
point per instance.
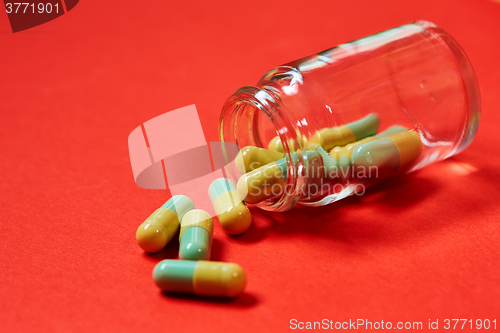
(254, 117)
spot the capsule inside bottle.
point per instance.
(327, 138)
(377, 156)
(263, 183)
(250, 158)
(388, 155)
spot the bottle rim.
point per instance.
(247, 100)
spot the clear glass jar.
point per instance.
(416, 76)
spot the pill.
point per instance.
(159, 228)
(338, 151)
(342, 164)
(195, 239)
(265, 182)
(232, 213)
(275, 145)
(339, 136)
(293, 144)
(269, 180)
(340, 156)
(250, 158)
(390, 154)
(206, 278)
(327, 138)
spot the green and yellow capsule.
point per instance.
(391, 154)
(346, 150)
(232, 213)
(195, 239)
(250, 158)
(269, 180)
(327, 138)
(293, 144)
(265, 182)
(275, 145)
(159, 228)
(339, 136)
(207, 278)
(338, 161)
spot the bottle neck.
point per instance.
(251, 117)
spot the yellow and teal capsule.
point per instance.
(337, 163)
(388, 155)
(376, 157)
(232, 213)
(250, 158)
(269, 180)
(195, 239)
(159, 228)
(265, 182)
(327, 138)
(340, 151)
(206, 278)
(339, 136)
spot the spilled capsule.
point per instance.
(207, 278)
(159, 228)
(233, 215)
(195, 239)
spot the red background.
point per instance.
(425, 246)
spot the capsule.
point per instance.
(390, 152)
(339, 136)
(275, 145)
(263, 183)
(293, 144)
(328, 138)
(195, 239)
(206, 278)
(159, 228)
(250, 158)
(346, 164)
(269, 180)
(389, 155)
(339, 151)
(340, 156)
(233, 215)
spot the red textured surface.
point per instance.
(423, 247)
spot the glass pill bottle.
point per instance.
(354, 115)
